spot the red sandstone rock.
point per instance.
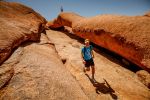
(147, 14)
(124, 82)
(18, 23)
(127, 36)
(144, 77)
(34, 70)
(39, 74)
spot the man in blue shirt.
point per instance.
(87, 57)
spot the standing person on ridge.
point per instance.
(87, 57)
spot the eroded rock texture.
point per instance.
(18, 23)
(122, 84)
(39, 74)
(34, 70)
(124, 35)
(144, 77)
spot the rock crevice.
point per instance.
(113, 80)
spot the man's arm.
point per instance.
(92, 52)
(82, 57)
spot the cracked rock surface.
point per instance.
(113, 80)
(39, 74)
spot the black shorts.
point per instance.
(89, 63)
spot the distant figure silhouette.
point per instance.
(61, 9)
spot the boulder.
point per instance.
(147, 14)
(18, 24)
(127, 36)
(34, 70)
(113, 80)
(39, 74)
(144, 77)
(64, 19)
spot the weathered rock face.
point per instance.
(18, 23)
(124, 35)
(39, 75)
(64, 19)
(122, 84)
(144, 77)
(34, 70)
(147, 14)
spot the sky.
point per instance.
(87, 8)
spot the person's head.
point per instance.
(87, 42)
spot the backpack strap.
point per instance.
(90, 47)
(84, 49)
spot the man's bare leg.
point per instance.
(93, 71)
(86, 69)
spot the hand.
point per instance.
(84, 62)
(93, 57)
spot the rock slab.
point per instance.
(18, 23)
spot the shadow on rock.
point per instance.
(104, 88)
